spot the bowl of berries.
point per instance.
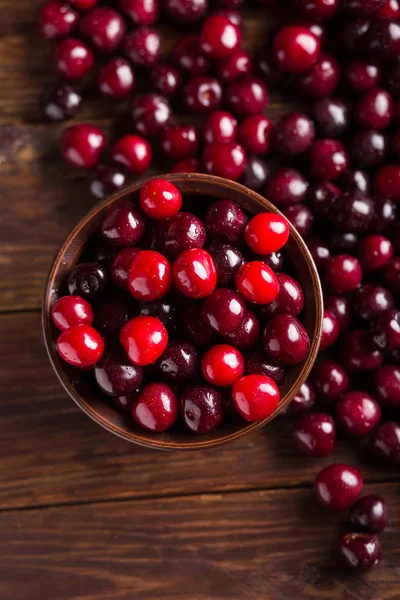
(183, 312)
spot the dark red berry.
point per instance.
(330, 380)
(223, 310)
(104, 28)
(132, 152)
(202, 408)
(360, 551)
(296, 49)
(358, 413)
(116, 79)
(124, 224)
(219, 37)
(285, 340)
(143, 47)
(338, 485)
(57, 20)
(370, 513)
(115, 374)
(179, 362)
(82, 145)
(315, 434)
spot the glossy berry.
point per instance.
(315, 434)
(157, 408)
(255, 397)
(186, 11)
(179, 362)
(219, 37)
(180, 232)
(107, 179)
(188, 57)
(257, 282)
(255, 174)
(57, 20)
(246, 96)
(355, 180)
(123, 225)
(192, 327)
(374, 252)
(140, 12)
(201, 94)
(274, 261)
(370, 300)
(61, 102)
(237, 64)
(286, 187)
(104, 28)
(116, 79)
(319, 252)
(285, 340)
(194, 273)
(302, 403)
(163, 310)
(360, 551)
(225, 221)
(144, 339)
(202, 408)
(290, 298)
(87, 280)
(369, 148)
(390, 10)
(321, 80)
(225, 160)
(330, 380)
(69, 311)
(387, 385)
(133, 152)
(82, 145)
(257, 363)
(266, 233)
(121, 265)
(343, 273)
(296, 49)
(330, 330)
(80, 346)
(227, 259)
(352, 212)
(338, 486)
(374, 110)
(386, 441)
(150, 276)
(331, 117)
(370, 513)
(123, 404)
(357, 413)
(386, 182)
(328, 159)
(254, 134)
(179, 141)
(115, 374)
(151, 113)
(220, 126)
(361, 76)
(293, 134)
(223, 310)
(385, 330)
(359, 353)
(142, 47)
(222, 365)
(160, 199)
(246, 335)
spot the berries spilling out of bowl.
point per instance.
(169, 319)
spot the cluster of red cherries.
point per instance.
(335, 175)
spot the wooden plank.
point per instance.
(53, 453)
(275, 545)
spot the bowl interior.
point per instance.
(80, 386)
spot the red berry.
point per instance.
(120, 266)
(140, 12)
(194, 273)
(142, 46)
(124, 224)
(338, 486)
(285, 340)
(73, 59)
(179, 141)
(202, 408)
(358, 413)
(237, 64)
(82, 145)
(315, 434)
(144, 339)
(374, 252)
(257, 282)
(81, 346)
(220, 126)
(116, 79)
(360, 551)
(329, 159)
(219, 37)
(225, 160)
(343, 273)
(387, 182)
(223, 310)
(296, 49)
(157, 407)
(57, 20)
(254, 134)
(104, 28)
(150, 276)
(133, 152)
(69, 311)
(255, 397)
(222, 365)
(266, 233)
(160, 199)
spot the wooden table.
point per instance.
(84, 515)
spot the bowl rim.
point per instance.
(197, 443)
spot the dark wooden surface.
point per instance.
(86, 516)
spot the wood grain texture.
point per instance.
(275, 545)
(52, 453)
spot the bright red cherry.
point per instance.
(150, 276)
(73, 59)
(123, 225)
(104, 28)
(160, 199)
(343, 273)
(296, 49)
(81, 346)
(144, 339)
(223, 310)
(315, 434)
(266, 233)
(116, 79)
(133, 152)
(194, 273)
(157, 407)
(222, 365)
(69, 311)
(237, 64)
(57, 20)
(358, 413)
(255, 397)
(257, 282)
(285, 340)
(338, 486)
(224, 159)
(82, 145)
(219, 37)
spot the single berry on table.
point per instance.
(315, 434)
(360, 551)
(370, 513)
(82, 145)
(357, 413)
(338, 486)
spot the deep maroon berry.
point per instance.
(246, 335)
(61, 102)
(383, 40)
(124, 404)
(247, 96)
(268, 68)
(274, 261)
(329, 159)
(121, 265)
(386, 441)
(315, 434)
(387, 182)
(179, 141)
(375, 109)
(225, 160)
(370, 300)
(357, 413)
(355, 180)
(338, 485)
(142, 46)
(255, 133)
(331, 117)
(387, 385)
(104, 28)
(385, 330)
(116, 79)
(151, 113)
(188, 57)
(219, 37)
(185, 11)
(157, 407)
(391, 275)
(238, 64)
(202, 408)
(343, 273)
(255, 173)
(286, 187)
(57, 20)
(290, 298)
(220, 126)
(181, 232)
(225, 221)
(301, 217)
(353, 212)
(223, 310)
(358, 352)
(321, 198)
(202, 94)
(330, 330)
(165, 80)
(384, 214)
(112, 311)
(362, 7)
(227, 259)
(330, 380)
(368, 148)
(360, 551)
(352, 35)
(317, 10)
(374, 252)
(108, 179)
(361, 76)
(132, 152)
(370, 513)
(193, 328)
(285, 340)
(87, 280)
(115, 374)
(302, 403)
(140, 12)
(82, 145)
(163, 310)
(321, 80)
(179, 362)
(124, 224)
(100, 251)
(257, 363)
(296, 49)
(293, 134)
(319, 252)
(343, 242)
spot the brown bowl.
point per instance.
(89, 398)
